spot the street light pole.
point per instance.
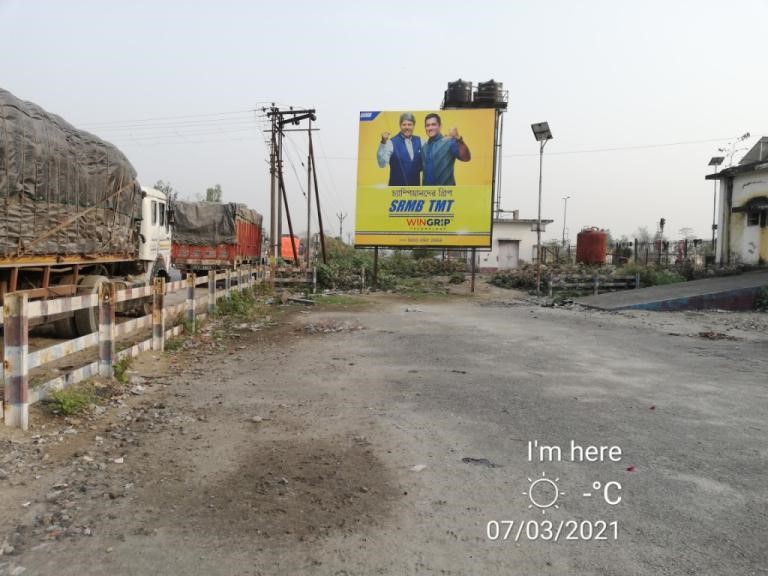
(543, 134)
(715, 162)
(565, 212)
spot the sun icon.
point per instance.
(543, 493)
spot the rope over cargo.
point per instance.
(78, 189)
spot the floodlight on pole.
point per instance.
(543, 134)
(715, 161)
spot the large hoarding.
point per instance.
(425, 178)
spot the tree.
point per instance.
(213, 194)
(166, 187)
(642, 235)
(687, 233)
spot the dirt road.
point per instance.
(393, 438)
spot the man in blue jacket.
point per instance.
(403, 154)
(439, 153)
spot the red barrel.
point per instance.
(591, 246)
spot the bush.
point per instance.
(120, 369)
(761, 300)
(240, 304)
(69, 401)
(456, 278)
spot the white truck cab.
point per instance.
(155, 239)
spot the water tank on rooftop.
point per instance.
(591, 246)
(459, 94)
(490, 92)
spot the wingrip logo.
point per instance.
(368, 116)
(421, 214)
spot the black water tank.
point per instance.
(490, 92)
(459, 93)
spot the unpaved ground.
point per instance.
(382, 439)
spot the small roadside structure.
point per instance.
(514, 243)
(743, 209)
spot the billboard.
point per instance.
(425, 179)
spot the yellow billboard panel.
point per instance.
(425, 178)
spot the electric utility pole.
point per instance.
(341, 217)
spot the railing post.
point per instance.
(107, 293)
(191, 301)
(228, 283)
(158, 314)
(550, 285)
(211, 292)
(16, 374)
(637, 279)
(596, 282)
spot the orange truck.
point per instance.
(215, 236)
(286, 248)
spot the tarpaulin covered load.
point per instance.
(62, 191)
(210, 223)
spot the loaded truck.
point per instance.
(72, 214)
(215, 236)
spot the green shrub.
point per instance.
(240, 304)
(69, 401)
(761, 301)
(456, 278)
(120, 369)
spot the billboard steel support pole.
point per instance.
(472, 283)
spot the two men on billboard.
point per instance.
(408, 158)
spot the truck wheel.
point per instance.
(65, 328)
(158, 270)
(87, 319)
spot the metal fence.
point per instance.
(18, 361)
(663, 253)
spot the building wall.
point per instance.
(746, 244)
(511, 230)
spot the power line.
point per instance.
(619, 148)
(587, 150)
(142, 120)
(176, 125)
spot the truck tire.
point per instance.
(158, 270)
(87, 319)
(65, 328)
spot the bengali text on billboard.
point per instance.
(425, 178)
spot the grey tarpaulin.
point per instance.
(209, 223)
(53, 174)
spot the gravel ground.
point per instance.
(383, 438)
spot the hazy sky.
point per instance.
(172, 83)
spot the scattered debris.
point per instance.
(329, 326)
(413, 310)
(304, 301)
(630, 468)
(480, 462)
(418, 467)
(713, 335)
